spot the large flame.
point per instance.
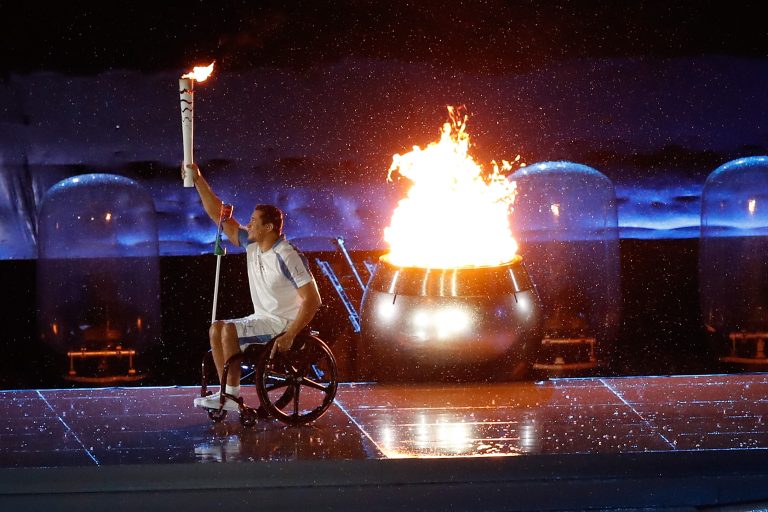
(200, 73)
(453, 215)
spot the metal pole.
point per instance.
(340, 242)
(354, 316)
(216, 288)
(219, 251)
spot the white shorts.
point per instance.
(256, 329)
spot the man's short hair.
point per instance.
(271, 214)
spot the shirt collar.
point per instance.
(279, 240)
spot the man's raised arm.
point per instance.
(212, 204)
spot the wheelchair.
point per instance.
(296, 386)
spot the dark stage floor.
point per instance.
(635, 442)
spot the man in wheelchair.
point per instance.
(283, 290)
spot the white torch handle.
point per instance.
(187, 104)
(216, 288)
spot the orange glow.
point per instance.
(138, 323)
(453, 215)
(55, 329)
(200, 73)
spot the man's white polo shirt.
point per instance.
(274, 276)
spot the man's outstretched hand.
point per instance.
(190, 168)
(282, 343)
(226, 212)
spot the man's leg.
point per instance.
(230, 346)
(224, 344)
(214, 335)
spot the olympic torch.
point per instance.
(187, 103)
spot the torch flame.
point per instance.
(200, 73)
(452, 216)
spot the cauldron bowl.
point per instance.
(476, 323)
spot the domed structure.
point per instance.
(733, 267)
(566, 223)
(98, 283)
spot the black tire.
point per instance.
(299, 385)
(216, 415)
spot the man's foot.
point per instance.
(214, 402)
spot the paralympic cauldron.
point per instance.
(470, 323)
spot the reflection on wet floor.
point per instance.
(155, 425)
(331, 437)
(81, 427)
(576, 416)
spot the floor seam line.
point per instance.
(69, 429)
(637, 413)
(359, 426)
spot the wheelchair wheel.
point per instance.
(299, 385)
(217, 415)
(254, 354)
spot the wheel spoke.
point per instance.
(274, 381)
(296, 399)
(314, 384)
(283, 384)
(285, 399)
(274, 374)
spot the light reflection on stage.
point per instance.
(84, 427)
(445, 435)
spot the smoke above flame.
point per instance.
(454, 214)
(200, 73)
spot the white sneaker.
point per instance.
(214, 402)
(214, 396)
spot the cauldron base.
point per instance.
(477, 324)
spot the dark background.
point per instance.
(80, 37)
